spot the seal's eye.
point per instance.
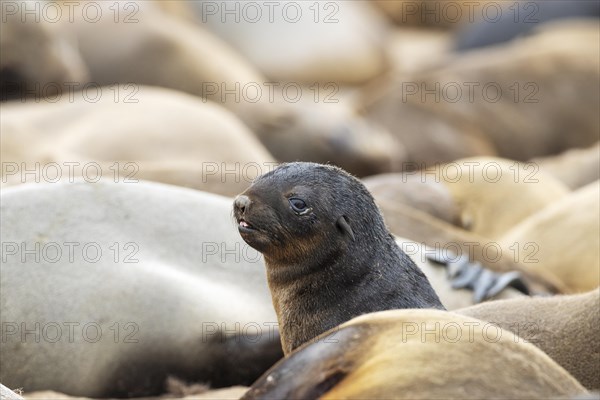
(298, 205)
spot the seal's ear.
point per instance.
(343, 224)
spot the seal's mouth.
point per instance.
(245, 227)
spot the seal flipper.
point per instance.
(311, 372)
(483, 285)
(344, 226)
(467, 277)
(512, 279)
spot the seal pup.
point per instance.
(328, 253)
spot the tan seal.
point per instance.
(562, 239)
(564, 327)
(416, 354)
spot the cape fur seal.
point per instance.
(187, 142)
(483, 195)
(328, 253)
(167, 51)
(415, 191)
(421, 227)
(167, 288)
(562, 239)
(544, 84)
(416, 354)
(342, 42)
(37, 59)
(508, 26)
(494, 194)
(574, 167)
(564, 327)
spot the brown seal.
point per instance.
(328, 253)
(562, 239)
(564, 327)
(416, 354)
(574, 167)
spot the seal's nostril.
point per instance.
(241, 203)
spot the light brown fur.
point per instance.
(421, 227)
(41, 56)
(556, 107)
(563, 238)
(164, 50)
(349, 51)
(415, 49)
(494, 194)
(429, 138)
(410, 190)
(574, 167)
(186, 142)
(564, 327)
(416, 354)
(427, 13)
(484, 195)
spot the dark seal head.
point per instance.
(328, 253)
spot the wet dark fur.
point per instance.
(322, 273)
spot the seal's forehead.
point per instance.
(291, 177)
(300, 172)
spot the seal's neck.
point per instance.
(339, 260)
(321, 293)
(339, 266)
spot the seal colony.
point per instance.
(328, 254)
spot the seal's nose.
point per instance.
(241, 203)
